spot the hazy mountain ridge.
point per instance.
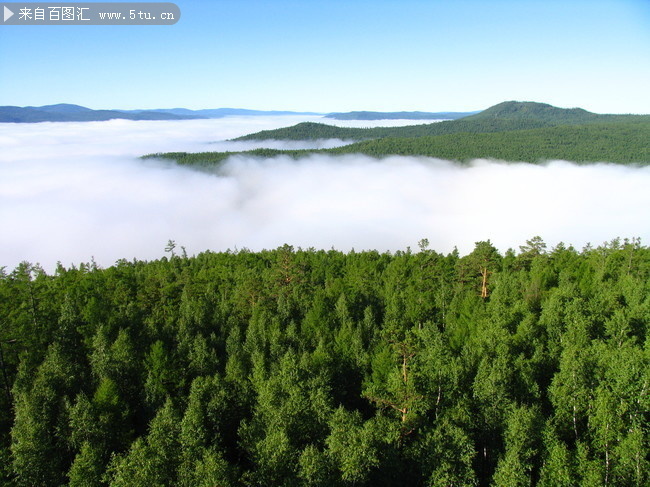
(65, 112)
(75, 113)
(368, 115)
(229, 112)
(528, 114)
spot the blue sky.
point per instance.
(339, 55)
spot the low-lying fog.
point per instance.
(72, 191)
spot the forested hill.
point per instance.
(615, 142)
(321, 368)
(515, 110)
(314, 131)
(503, 117)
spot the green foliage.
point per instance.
(150, 461)
(305, 367)
(88, 467)
(353, 445)
(517, 466)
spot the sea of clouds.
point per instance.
(70, 192)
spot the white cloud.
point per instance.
(72, 191)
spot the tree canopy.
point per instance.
(311, 367)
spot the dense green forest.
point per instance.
(621, 143)
(309, 367)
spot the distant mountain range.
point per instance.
(75, 113)
(225, 112)
(65, 112)
(503, 116)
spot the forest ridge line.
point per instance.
(511, 131)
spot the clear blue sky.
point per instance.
(331, 55)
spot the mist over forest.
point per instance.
(70, 192)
